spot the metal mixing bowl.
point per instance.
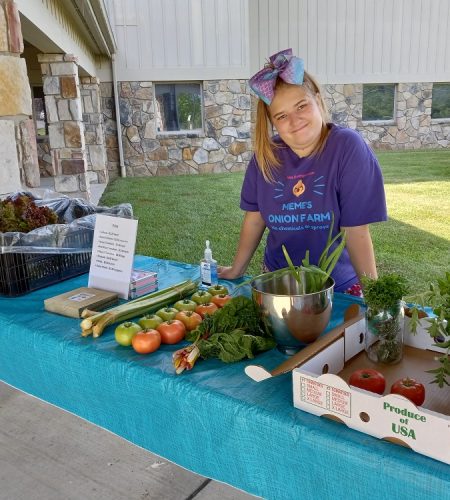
(294, 318)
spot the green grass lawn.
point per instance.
(177, 214)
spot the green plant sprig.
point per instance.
(384, 292)
(438, 298)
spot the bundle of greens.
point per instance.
(382, 297)
(384, 292)
(233, 333)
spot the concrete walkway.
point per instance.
(49, 454)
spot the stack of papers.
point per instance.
(142, 282)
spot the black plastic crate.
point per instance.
(21, 273)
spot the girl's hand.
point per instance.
(227, 273)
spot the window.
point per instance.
(178, 107)
(440, 106)
(40, 117)
(378, 102)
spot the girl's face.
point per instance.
(297, 117)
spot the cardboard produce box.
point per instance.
(320, 387)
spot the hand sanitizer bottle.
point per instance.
(208, 268)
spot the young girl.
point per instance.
(298, 179)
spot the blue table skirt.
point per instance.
(213, 420)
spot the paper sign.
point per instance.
(79, 297)
(113, 254)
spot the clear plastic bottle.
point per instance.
(208, 268)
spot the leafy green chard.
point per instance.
(233, 333)
(438, 298)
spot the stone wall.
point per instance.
(93, 130)
(16, 127)
(66, 132)
(412, 128)
(110, 129)
(27, 153)
(229, 113)
(224, 146)
(46, 168)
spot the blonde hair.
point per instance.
(264, 145)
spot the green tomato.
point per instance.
(167, 313)
(150, 321)
(185, 305)
(201, 297)
(218, 290)
(125, 332)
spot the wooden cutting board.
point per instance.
(74, 302)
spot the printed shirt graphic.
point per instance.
(345, 179)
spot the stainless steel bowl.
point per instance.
(294, 318)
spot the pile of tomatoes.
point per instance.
(170, 324)
(374, 381)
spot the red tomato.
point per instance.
(146, 341)
(206, 308)
(172, 331)
(411, 389)
(221, 299)
(368, 379)
(190, 319)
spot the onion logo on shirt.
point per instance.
(299, 188)
(283, 190)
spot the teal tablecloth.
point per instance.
(213, 420)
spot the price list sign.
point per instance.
(113, 254)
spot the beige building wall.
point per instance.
(356, 41)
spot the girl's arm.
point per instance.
(360, 250)
(252, 230)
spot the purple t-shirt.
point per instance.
(297, 208)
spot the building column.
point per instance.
(94, 134)
(17, 165)
(65, 125)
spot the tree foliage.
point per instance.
(378, 102)
(189, 111)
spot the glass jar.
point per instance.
(384, 334)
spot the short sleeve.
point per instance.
(360, 188)
(249, 191)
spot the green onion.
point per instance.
(313, 278)
(95, 324)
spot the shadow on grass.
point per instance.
(400, 167)
(418, 255)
